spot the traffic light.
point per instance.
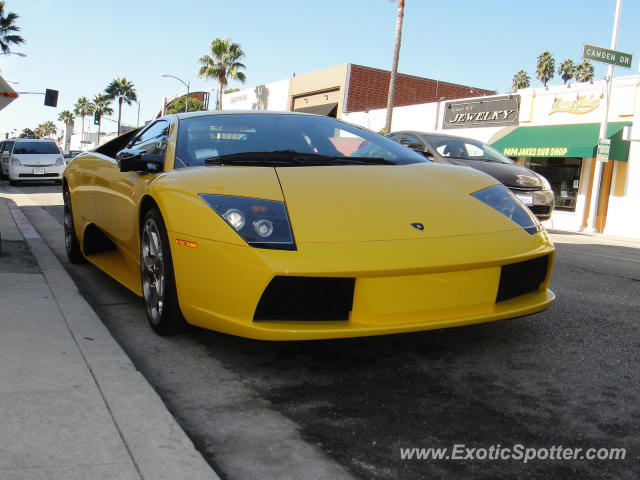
(51, 98)
(96, 118)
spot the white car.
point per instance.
(35, 160)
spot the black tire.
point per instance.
(71, 243)
(157, 277)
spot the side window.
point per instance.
(412, 142)
(152, 139)
(8, 146)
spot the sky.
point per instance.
(79, 46)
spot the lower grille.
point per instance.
(523, 277)
(540, 209)
(38, 175)
(306, 299)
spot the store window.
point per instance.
(563, 175)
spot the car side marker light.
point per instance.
(186, 243)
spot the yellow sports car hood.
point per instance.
(381, 202)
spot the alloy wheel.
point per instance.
(152, 269)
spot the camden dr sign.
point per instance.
(484, 112)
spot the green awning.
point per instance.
(578, 140)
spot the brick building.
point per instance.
(345, 88)
(369, 89)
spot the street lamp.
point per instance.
(186, 103)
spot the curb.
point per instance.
(155, 443)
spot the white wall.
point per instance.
(272, 96)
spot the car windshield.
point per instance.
(283, 140)
(31, 148)
(466, 149)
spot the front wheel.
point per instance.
(158, 281)
(71, 243)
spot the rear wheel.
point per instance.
(158, 281)
(71, 243)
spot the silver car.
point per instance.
(5, 153)
(35, 160)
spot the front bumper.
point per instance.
(541, 202)
(400, 286)
(35, 174)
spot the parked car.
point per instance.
(35, 160)
(259, 225)
(5, 153)
(70, 154)
(530, 187)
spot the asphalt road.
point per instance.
(568, 376)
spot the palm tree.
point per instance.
(67, 118)
(394, 65)
(45, 129)
(82, 108)
(8, 30)
(223, 65)
(520, 80)
(585, 71)
(567, 70)
(124, 91)
(546, 67)
(101, 106)
(50, 128)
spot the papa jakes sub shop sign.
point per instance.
(487, 112)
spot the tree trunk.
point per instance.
(82, 137)
(394, 66)
(219, 106)
(119, 113)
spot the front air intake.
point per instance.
(306, 299)
(523, 277)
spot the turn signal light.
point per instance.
(186, 243)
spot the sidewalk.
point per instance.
(72, 405)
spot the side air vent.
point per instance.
(523, 277)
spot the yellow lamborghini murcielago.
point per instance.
(286, 226)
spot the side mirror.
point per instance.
(133, 160)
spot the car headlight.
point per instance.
(15, 162)
(59, 161)
(545, 183)
(260, 223)
(500, 198)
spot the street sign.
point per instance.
(604, 145)
(605, 55)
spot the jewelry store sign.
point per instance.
(484, 112)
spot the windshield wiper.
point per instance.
(291, 157)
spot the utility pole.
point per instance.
(594, 204)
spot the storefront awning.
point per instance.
(328, 109)
(578, 140)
